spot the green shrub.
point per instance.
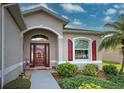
(18, 84)
(108, 62)
(89, 86)
(91, 70)
(67, 69)
(75, 83)
(110, 69)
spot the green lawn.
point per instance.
(118, 65)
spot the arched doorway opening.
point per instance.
(40, 40)
(41, 36)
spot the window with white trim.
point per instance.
(81, 48)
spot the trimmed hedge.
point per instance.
(67, 69)
(18, 84)
(110, 69)
(75, 83)
(91, 70)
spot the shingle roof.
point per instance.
(77, 30)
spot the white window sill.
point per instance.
(82, 62)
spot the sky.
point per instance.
(90, 16)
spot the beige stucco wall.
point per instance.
(52, 42)
(42, 18)
(75, 35)
(114, 55)
(12, 47)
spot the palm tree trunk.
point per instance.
(122, 66)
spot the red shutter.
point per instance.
(94, 50)
(70, 50)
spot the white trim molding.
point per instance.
(53, 61)
(42, 27)
(11, 68)
(3, 32)
(0, 73)
(90, 48)
(82, 62)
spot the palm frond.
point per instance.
(115, 38)
(121, 18)
(112, 25)
(108, 32)
(111, 41)
(120, 26)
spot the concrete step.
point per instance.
(40, 68)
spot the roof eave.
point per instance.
(75, 30)
(15, 12)
(78, 32)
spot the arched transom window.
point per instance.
(39, 38)
(81, 48)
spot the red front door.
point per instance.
(40, 54)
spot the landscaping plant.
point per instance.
(89, 86)
(119, 79)
(67, 69)
(76, 83)
(110, 69)
(18, 84)
(91, 70)
(109, 62)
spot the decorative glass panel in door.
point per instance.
(32, 55)
(47, 55)
(39, 54)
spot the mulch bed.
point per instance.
(25, 75)
(101, 75)
(56, 76)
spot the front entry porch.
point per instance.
(41, 48)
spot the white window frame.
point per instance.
(89, 49)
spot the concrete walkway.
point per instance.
(42, 79)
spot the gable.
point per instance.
(38, 18)
(50, 12)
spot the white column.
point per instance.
(22, 50)
(2, 69)
(60, 50)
